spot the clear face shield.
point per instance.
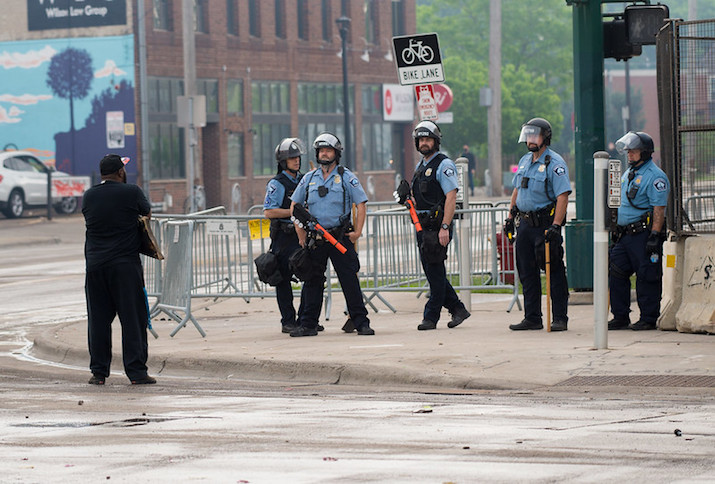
(629, 141)
(531, 134)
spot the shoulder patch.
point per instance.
(271, 188)
(448, 172)
(660, 185)
(355, 182)
(559, 170)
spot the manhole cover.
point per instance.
(705, 381)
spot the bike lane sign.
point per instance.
(418, 59)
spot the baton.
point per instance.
(548, 285)
(413, 214)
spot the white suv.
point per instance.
(23, 184)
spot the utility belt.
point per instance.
(539, 218)
(337, 232)
(281, 226)
(635, 228)
(431, 220)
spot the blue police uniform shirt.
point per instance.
(275, 191)
(446, 175)
(653, 187)
(534, 196)
(329, 209)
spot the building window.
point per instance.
(376, 135)
(234, 97)
(201, 16)
(254, 18)
(236, 163)
(322, 98)
(162, 14)
(398, 17)
(280, 19)
(302, 16)
(270, 105)
(209, 88)
(327, 20)
(165, 138)
(372, 21)
(231, 17)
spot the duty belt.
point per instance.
(539, 218)
(278, 225)
(632, 228)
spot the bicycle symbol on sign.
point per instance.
(417, 51)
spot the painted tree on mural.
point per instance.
(70, 76)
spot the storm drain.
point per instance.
(704, 381)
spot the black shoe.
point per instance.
(96, 380)
(287, 328)
(366, 330)
(303, 331)
(147, 380)
(615, 324)
(641, 326)
(525, 324)
(320, 327)
(458, 316)
(348, 327)
(425, 325)
(559, 326)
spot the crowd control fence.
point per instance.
(217, 261)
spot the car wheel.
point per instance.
(15, 204)
(67, 205)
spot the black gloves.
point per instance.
(553, 233)
(402, 192)
(509, 229)
(653, 244)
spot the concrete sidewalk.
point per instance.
(244, 342)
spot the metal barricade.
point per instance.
(176, 286)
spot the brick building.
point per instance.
(271, 69)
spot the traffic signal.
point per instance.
(615, 41)
(643, 22)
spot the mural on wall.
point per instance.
(69, 101)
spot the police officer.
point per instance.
(538, 208)
(639, 235)
(276, 207)
(328, 192)
(434, 188)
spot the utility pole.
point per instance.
(494, 133)
(189, 44)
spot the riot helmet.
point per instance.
(639, 140)
(535, 127)
(427, 129)
(289, 148)
(327, 140)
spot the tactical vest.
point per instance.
(289, 186)
(425, 187)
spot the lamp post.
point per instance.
(344, 25)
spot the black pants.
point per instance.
(346, 267)
(530, 256)
(117, 290)
(441, 292)
(627, 256)
(283, 245)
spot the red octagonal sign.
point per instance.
(443, 96)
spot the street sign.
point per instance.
(443, 95)
(426, 104)
(418, 59)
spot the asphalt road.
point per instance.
(56, 428)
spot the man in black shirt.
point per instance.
(114, 283)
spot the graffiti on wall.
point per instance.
(63, 99)
(703, 274)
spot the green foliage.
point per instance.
(537, 66)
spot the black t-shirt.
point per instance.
(111, 210)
